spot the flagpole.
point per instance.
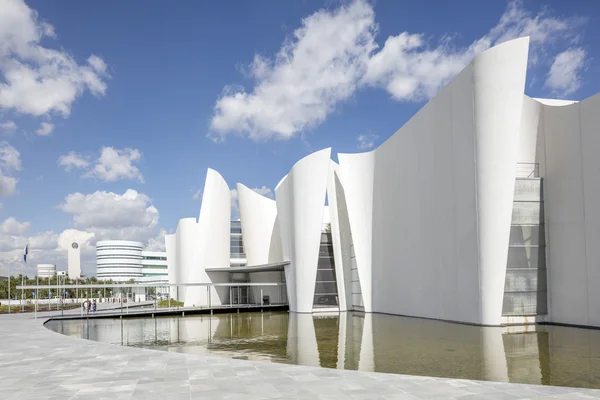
(22, 290)
(22, 273)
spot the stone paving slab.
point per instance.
(36, 363)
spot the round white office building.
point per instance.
(119, 260)
(46, 270)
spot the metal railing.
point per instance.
(528, 170)
(121, 297)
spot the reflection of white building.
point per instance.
(448, 219)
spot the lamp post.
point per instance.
(9, 288)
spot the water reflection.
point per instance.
(548, 355)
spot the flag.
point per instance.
(26, 252)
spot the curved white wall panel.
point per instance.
(357, 173)
(430, 209)
(571, 195)
(499, 76)
(211, 247)
(258, 215)
(300, 198)
(262, 243)
(340, 236)
(187, 239)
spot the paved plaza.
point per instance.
(36, 363)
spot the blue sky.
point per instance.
(111, 112)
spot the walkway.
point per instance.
(36, 363)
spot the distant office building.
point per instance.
(46, 270)
(74, 261)
(122, 260)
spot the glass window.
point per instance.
(325, 300)
(327, 275)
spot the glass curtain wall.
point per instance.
(326, 286)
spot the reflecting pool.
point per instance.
(547, 355)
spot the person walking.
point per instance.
(94, 306)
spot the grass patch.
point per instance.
(174, 303)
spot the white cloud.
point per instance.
(108, 215)
(8, 127)
(115, 164)
(564, 75)
(334, 53)
(11, 226)
(112, 164)
(8, 184)
(313, 71)
(235, 209)
(263, 190)
(96, 216)
(68, 236)
(38, 80)
(97, 63)
(10, 161)
(197, 194)
(410, 70)
(157, 243)
(10, 158)
(44, 247)
(73, 160)
(366, 142)
(45, 129)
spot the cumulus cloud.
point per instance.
(8, 127)
(96, 216)
(10, 161)
(366, 142)
(44, 247)
(72, 161)
(157, 243)
(197, 194)
(313, 71)
(45, 129)
(565, 73)
(12, 226)
(411, 70)
(112, 164)
(108, 215)
(38, 80)
(333, 54)
(69, 236)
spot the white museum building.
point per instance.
(483, 208)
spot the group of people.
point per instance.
(88, 306)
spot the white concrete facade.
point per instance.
(74, 261)
(421, 226)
